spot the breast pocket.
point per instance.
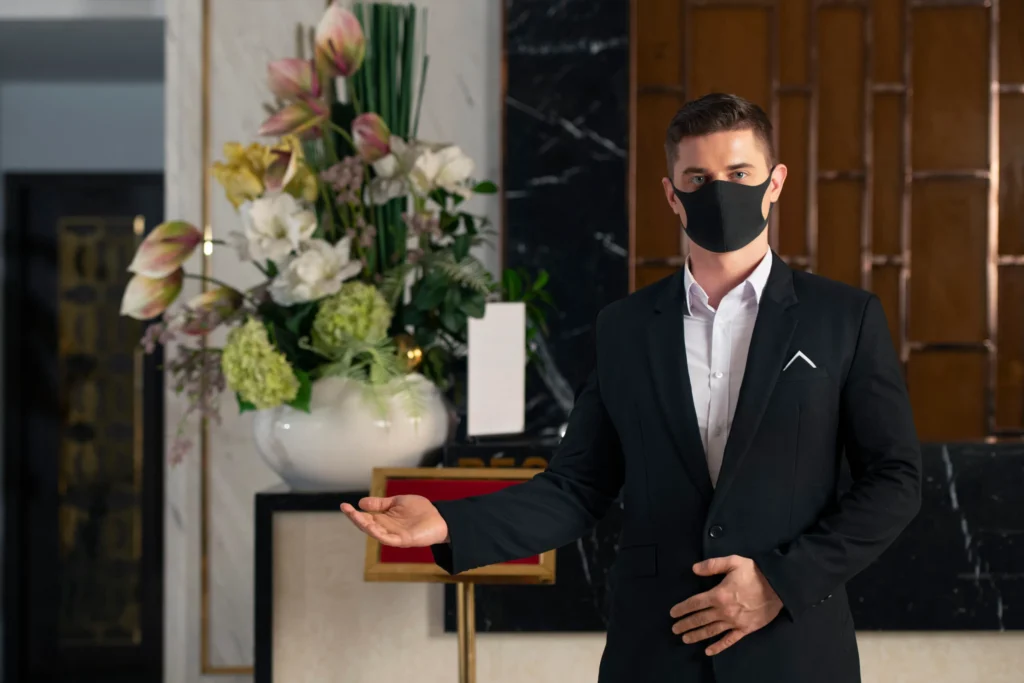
(799, 371)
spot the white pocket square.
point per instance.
(800, 355)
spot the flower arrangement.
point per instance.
(357, 228)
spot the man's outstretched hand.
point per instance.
(742, 603)
(399, 521)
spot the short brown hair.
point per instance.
(714, 113)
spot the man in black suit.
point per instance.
(723, 400)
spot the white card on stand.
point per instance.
(497, 370)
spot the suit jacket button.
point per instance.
(716, 531)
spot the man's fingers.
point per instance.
(716, 565)
(376, 504)
(710, 631)
(696, 620)
(728, 640)
(694, 604)
(371, 525)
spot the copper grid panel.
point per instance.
(870, 260)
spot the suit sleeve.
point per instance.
(885, 460)
(554, 508)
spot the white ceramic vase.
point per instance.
(352, 428)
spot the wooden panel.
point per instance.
(888, 185)
(885, 282)
(939, 413)
(659, 23)
(888, 50)
(950, 81)
(839, 208)
(1011, 46)
(1011, 183)
(716, 68)
(841, 89)
(793, 16)
(947, 286)
(648, 275)
(1010, 369)
(657, 232)
(792, 205)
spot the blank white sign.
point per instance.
(497, 370)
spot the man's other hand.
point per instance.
(399, 521)
(741, 604)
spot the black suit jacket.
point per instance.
(634, 429)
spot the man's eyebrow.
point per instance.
(697, 170)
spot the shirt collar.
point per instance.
(755, 282)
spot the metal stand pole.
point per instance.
(465, 614)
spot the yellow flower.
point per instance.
(303, 184)
(242, 174)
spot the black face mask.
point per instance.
(722, 216)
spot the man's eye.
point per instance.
(740, 175)
(697, 180)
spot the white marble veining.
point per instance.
(462, 105)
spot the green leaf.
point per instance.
(474, 305)
(301, 400)
(485, 187)
(300, 317)
(454, 320)
(243, 405)
(271, 269)
(460, 247)
(429, 292)
(470, 224)
(542, 279)
(512, 283)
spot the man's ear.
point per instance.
(778, 180)
(670, 194)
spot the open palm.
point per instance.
(399, 521)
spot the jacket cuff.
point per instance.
(775, 567)
(447, 555)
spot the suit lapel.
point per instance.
(773, 331)
(667, 356)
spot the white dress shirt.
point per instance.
(717, 341)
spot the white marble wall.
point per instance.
(461, 105)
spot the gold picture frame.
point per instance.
(421, 572)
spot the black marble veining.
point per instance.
(565, 176)
(958, 566)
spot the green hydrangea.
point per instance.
(255, 369)
(357, 312)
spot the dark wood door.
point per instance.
(83, 448)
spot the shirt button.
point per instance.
(716, 531)
(718, 375)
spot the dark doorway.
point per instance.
(83, 435)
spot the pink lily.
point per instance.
(209, 309)
(340, 43)
(146, 297)
(281, 169)
(371, 137)
(293, 78)
(297, 117)
(165, 249)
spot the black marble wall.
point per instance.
(958, 566)
(566, 146)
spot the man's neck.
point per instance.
(719, 274)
